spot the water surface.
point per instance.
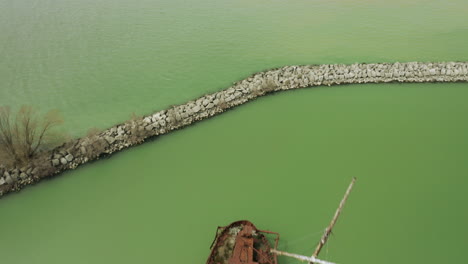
(282, 162)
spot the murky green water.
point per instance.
(283, 161)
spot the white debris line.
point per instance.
(300, 257)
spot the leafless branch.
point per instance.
(22, 136)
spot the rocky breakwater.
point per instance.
(133, 132)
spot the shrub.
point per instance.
(23, 135)
(137, 130)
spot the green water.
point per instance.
(282, 162)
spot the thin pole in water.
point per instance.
(328, 230)
(300, 257)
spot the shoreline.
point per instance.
(79, 151)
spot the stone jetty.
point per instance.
(79, 151)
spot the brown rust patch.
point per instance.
(242, 243)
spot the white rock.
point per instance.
(55, 162)
(8, 179)
(14, 174)
(109, 140)
(188, 112)
(147, 120)
(149, 128)
(69, 157)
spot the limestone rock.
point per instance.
(8, 179)
(120, 131)
(55, 162)
(109, 140)
(69, 157)
(63, 161)
(15, 174)
(23, 175)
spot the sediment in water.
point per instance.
(79, 151)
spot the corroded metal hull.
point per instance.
(242, 243)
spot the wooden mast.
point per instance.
(328, 230)
(313, 259)
(300, 257)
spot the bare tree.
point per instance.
(24, 134)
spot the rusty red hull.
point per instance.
(242, 243)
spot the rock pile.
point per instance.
(79, 151)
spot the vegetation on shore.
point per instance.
(32, 157)
(25, 134)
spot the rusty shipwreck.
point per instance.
(241, 242)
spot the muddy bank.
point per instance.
(79, 151)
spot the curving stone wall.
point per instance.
(79, 151)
